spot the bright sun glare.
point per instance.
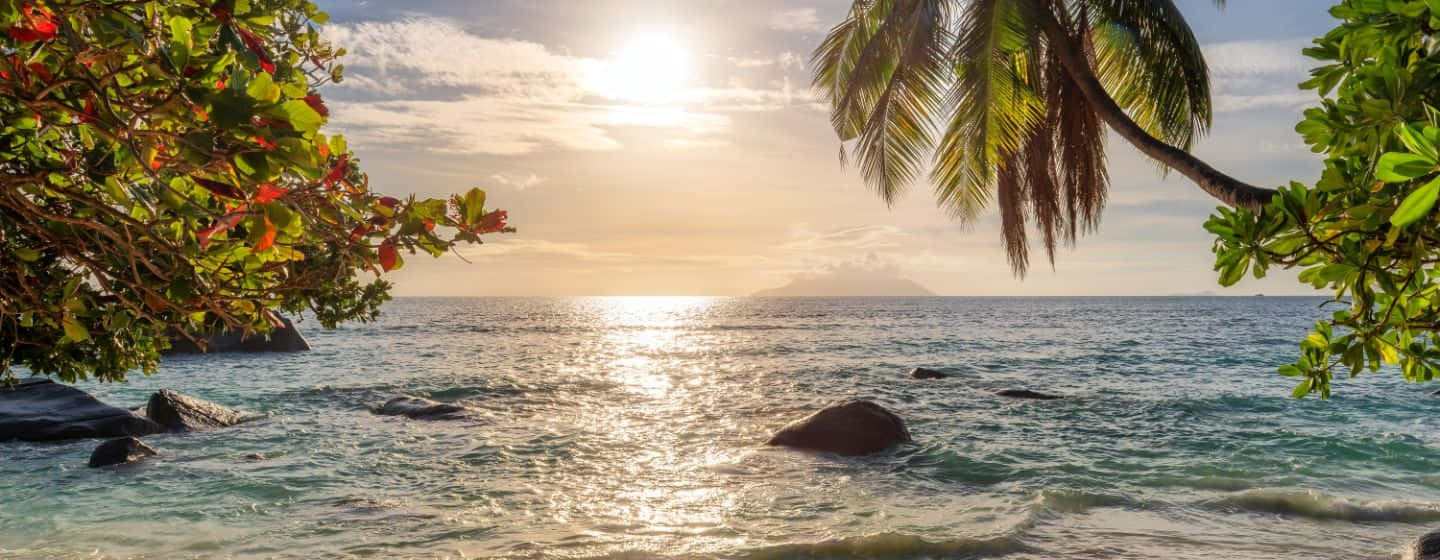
(651, 68)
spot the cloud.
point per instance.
(785, 61)
(400, 57)
(805, 240)
(428, 83)
(1248, 75)
(517, 182)
(797, 20)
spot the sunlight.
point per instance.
(652, 68)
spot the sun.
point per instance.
(651, 68)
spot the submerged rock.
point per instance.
(120, 451)
(927, 373)
(39, 409)
(1027, 394)
(853, 428)
(421, 409)
(1427, 547)
(179, 412)
(284, 339)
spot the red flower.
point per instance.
(315, 103)
(41, 26)
(491, 223)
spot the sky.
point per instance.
(719, 174)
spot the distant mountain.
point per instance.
(848, 283)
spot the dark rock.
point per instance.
(179, 412)
(1027, 394)
(927, 373)
(1427, 547)
(421, 409)
(1435, 394)
(120, 451)
(38, 409)
(853, 428)
(285, 339)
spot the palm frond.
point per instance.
(1152, 65)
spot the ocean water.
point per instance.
(633, 428)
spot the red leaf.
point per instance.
(268, 239)
(269, 193)
(220, 84)
(42, 71)
(223, 224)
(315, 103)
(252, 42)
(220, 189)
(264, 144)
(41, 27)
(338, 172)
(387, 255)
(323, 150)
(389, 201)
(359, 232)
(89, 115)
(429, 224)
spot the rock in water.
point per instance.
(284, 339)
(927, 373)
(1427, 547)
(179, 412)
(1027, 394)
(120, 451)
(853, 428)
(39, 409)
(421, 409)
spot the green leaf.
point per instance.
(1301, 390)
(1417, 142)
(1416, 205)
(1398, 167)
(474, 206)
(301, 116)
(263, 88)
(73, 329)
(27, 254)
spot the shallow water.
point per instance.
(630, 428)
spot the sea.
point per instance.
(634, 428)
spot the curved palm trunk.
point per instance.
(1223, 187)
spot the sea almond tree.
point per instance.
(163, 172)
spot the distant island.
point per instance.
(843, 283)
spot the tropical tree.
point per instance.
(1010, 99)
(163, 172)
(1367, 230)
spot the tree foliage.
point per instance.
(1367, 230)
(163, 172)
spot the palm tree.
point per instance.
(1008, 98)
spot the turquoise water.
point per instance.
(631, 428)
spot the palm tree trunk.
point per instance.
(1223, 187)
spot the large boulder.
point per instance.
(927, 373)
(852, 428)
(120, 451)
(1028, 394)
(177, 412)
(284, 339)
(39, 409)
(421, 409)
(1427, 547)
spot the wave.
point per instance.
(889, 545)
(1315, 505)
(1077, 501)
